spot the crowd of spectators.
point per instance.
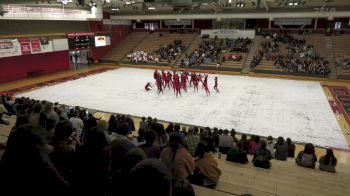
(140, 57)
(238, 45)
(343, 62)
(171, 51)
(70, 152)
(299, 57)
(208, 52)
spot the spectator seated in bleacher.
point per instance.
(177, 158)
(300, 57)
(237, 154)
(140, 57)
(207, 53)
(307, 157)
(3, 111)
(281, 149)
(171, 51)
(343, 61)
(206, 171)
(291, 148)
(262, 156)
(238, 45)
(205, 36)
(328, 161)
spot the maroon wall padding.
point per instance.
(116, 32)
(203, 24)
(15, 68)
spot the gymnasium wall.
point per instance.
(21, 27)
(116, 32)
(15, 68)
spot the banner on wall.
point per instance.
(60, 44)
(229, 33)
(9, 47)
(178, 22)
(25, 46)
(100, 41)
(35, 45)
(46, 45)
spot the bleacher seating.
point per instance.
(341, 47)
(119, 52)
(153, 42)
(284, 178)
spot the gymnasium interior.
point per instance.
(175, 97)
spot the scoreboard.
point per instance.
(80, 40)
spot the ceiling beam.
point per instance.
(246, 15)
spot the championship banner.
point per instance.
(35, 45)
(25, 46)
(9, 47)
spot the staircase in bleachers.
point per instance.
(330, 56)
(120, 51)
(253, 50)
(341, 46)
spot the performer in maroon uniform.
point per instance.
(148, 86)
(193, 76)
(176, 81)
(205, 84)
(159, 83)
(195, 82)
(216, 84)
(184, 81)
(168, 79)
(163, 78)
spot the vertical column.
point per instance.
(270, 23)
(192, 23)
(160, 24)
(315, 25)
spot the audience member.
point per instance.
(254, 144)
(191, 142)
(91, 165)
(262, 156)
(237, 155)
(206, 167)
(177, 158)
(225, 142)
(271, 145)
(162, 138)
(307, 157)
(291, 148)
(328, 161)
(25, 165)
(281, 147)
(150, 150)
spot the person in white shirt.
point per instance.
(225, 142)
(77, 123)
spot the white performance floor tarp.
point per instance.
(276, 107)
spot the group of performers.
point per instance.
(180, 80)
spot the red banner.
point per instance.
(25, 46)
(35, 43)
